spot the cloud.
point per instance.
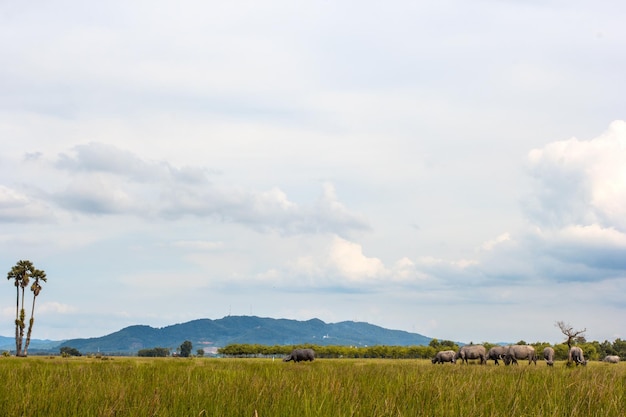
(21, 208)
(54, 307)
(593, 246)
(98, 157)
(347, 260)
(341, 264)
(106, 180)
(332, 215)
(97, 194)
(578, 206)
(449, 272)
(263, 210)
(580, 182)
(491, 244)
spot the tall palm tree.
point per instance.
(37, 275)
(20, 273)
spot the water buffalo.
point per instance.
(516, 352)
(298, 355)
(472, 352)
(611, 359)
(575, 355)
(496, 352)
(444, 356)
(548, 355)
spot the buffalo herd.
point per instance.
(507, 354)
(511, 354)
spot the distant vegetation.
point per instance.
(157, 352)
(592, 350)
(185, 349)
(69, 351)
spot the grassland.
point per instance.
(84, 387)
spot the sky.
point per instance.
(455, 169)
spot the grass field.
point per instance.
(38, 386)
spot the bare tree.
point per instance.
(571, 334)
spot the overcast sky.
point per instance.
(455, 169)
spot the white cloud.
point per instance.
(581, 182)
(19, 207)
(339, 263)
(491, 244)
(50, 307)
(348, 260)
(590, 236)
(579, 204)
(106, 180)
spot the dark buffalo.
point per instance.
(575, 355)
(497, 353)
(548, 355)
(298, 355)
(516, 352)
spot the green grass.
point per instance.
(335, 387)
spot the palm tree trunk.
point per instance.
(22, 325)
(30, 329)
(30, 326)
(21, 334)
(17, 320)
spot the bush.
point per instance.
(157, 352)
(67, 351)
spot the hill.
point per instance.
(208, 334)
(8, 344)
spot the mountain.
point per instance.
(209, 334)
(8, 344)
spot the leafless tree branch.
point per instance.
(569, 332)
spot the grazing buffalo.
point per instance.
(298, 355)
(496, 352)
(444, 356)
(575, 355)
(548, 355)
(472, 352)
(516, 352)
(611, 359)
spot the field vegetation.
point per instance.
(81, 386)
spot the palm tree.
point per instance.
(37, 275)
(21, 273)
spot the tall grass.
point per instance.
(240, 387)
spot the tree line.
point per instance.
(593, 350)
(184, 351)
